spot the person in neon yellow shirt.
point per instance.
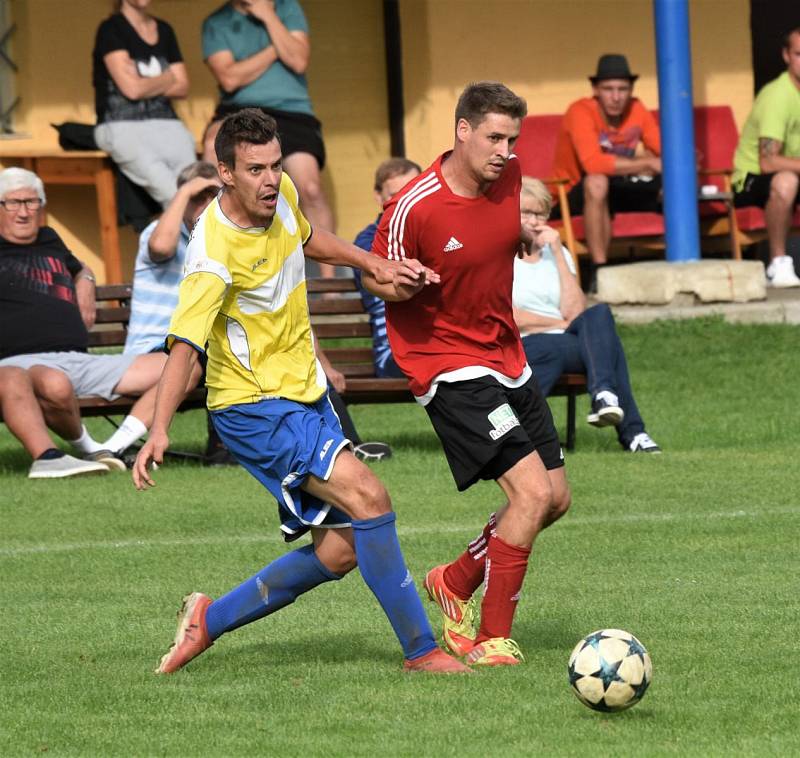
(244, 296)
(767, 161)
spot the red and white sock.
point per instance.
(465, 574)
(505, 571)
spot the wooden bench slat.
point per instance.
(344, 329)
(349, 305)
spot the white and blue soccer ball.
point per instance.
(610, 670)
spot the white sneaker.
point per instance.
(66, 465)
(780, 272)
(605, 410)
(643, 443)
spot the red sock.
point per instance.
(465, 574)
(505, 571)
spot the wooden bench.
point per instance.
(343, 329)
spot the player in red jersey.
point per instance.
(459, 346)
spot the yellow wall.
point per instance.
(53, 47)
(545, 50)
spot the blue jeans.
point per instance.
(592, 346)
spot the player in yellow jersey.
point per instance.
(243, 302)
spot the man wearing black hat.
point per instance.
(608, 150)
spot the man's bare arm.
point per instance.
(293, 47)
(85, 295)
(770, 158)
(232, 74)
(646, 164)
(171, 391)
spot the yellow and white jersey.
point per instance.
(244, 295)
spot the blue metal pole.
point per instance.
(677, 129)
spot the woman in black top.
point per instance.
(138, 68)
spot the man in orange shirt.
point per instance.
(608, 149)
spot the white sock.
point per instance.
(130, 430)
(85, 444)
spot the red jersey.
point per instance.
(465, 321)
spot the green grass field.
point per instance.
(694, 551)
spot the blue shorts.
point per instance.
(281, 442)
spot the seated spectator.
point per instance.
(608, 149)
(559, 334)
(258, 51)
(390, 177)
(158, 272)
(138, 68)
(46, 308)
(767, 161)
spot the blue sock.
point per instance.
(272, 588)
(384, 570)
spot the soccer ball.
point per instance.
(610, 670)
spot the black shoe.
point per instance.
(218, 455)
(372, 451)
(605, 411)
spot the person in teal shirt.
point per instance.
(258, 51)
(767, 160)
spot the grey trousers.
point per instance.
(150, 153)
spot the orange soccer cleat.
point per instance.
(191, 638)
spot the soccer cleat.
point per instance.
(643, 443)
(497, 651)
(191, 638)
(108, 459)
(436, 662)
(458, 616)
(64, 466)
(605, 410)
(780, 272)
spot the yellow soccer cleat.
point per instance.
(458, 616)
(497, 651)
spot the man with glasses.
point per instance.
(46, 308)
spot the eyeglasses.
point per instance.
(541, 215)
(30, 203)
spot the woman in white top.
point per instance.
(560, 334)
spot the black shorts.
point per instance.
(755, 191)
(625, 193)
(486, 428)
(299, 132)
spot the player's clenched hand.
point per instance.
(152, 452)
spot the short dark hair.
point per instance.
(198, 168)
(393, 167)
(249, 125)
(787, 38)
(481, 98)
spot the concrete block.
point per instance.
(659, 282)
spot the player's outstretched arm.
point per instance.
(328, 248)
(171, 391)
(410, 276)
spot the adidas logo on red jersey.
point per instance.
(452, 244)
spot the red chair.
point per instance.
(536, 148)
(716, 138)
